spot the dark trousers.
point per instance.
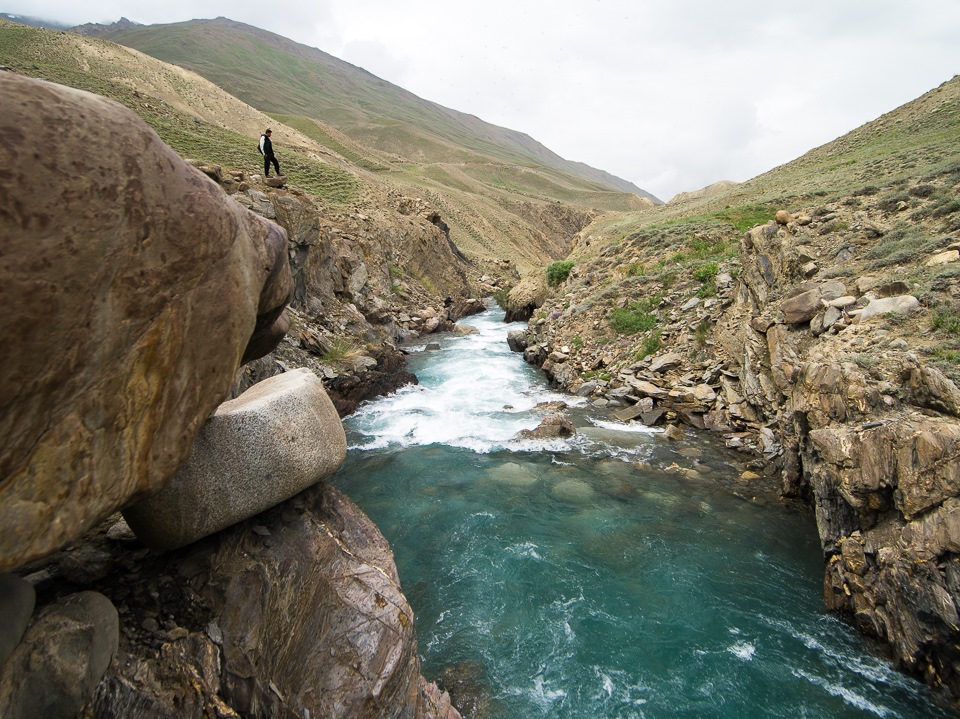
(267, 159)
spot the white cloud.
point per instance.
(670, 94)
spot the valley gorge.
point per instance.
(810, 328)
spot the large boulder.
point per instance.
(270, 443)
(890, 305)
(132, 289)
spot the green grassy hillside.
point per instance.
(277, 75)
(920, 138)
(495, 210)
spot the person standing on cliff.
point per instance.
(266, 149)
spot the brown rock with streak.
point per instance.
(133, 288)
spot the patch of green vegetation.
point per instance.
(946, 319)
(701, 332)
(707, 289)
(706, 273)
(636, 318)
(601, 374)
(945, 279)
(501, 297)
(558, 272)
(342, 351)
(864, 361)
(577, 342)
(905, 243)
(651, 344)
(746, 216)
(636, 269)
(946, 358)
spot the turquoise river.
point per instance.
(613, 575)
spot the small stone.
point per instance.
(841, 302)
(121, 532)
(666, 362)
(802, 307)
(213, 631)
(150, 625)
(85, 565)
(749, 476)
(783, 217)
(673, 433)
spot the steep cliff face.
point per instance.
(824, 342)
(868, 430)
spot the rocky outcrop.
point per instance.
(871, 439)
(812, 350)
(133, 289)
(64, 654)
(295, 612)
(525, 297)
(276, 439)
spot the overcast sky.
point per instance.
(669, 94)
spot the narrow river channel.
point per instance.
(613, 575)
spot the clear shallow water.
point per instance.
(606, 576)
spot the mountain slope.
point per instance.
(494, 210)
(278, 75)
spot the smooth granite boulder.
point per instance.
(132, 287)
(270, 443)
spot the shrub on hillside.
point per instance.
(638, 317)
(558, 272)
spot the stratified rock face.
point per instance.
(877, 454)
(273, 441)
(131, 287)
(302, 616)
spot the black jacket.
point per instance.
(266, 147)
